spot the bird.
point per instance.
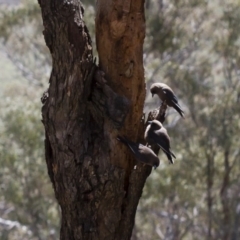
(156, 134)
(165, 93)
(142, 153)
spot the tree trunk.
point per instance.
(86, 107)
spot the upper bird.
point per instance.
(141, 152)
(156, 134)
(165, 93)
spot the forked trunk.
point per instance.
(86, 107)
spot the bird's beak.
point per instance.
(152, 94)
(155, 167)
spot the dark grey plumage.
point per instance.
(156, 134)
(142, 153)
(165, 93)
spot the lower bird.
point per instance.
(165, 93)
(156, 134)
(142, 153)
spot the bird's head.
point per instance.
(154, 89)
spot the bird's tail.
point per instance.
(168, 152)
(178, 109)
(122, 139)
(128, 143)
(172, 153)
(170, 158)
(169, 155)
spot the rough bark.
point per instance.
(86, 107)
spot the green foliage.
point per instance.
(21, 34)
(201, 63)
(27, 194)
(28, 206)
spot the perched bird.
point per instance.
(156, 134)
(142, 153)
(165, 93)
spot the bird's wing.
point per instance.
(145, 150)
(161, 139)
(146, 155)
(133, 148)
(141, 152)
(165, 141)
(132, 145)
(170, 95)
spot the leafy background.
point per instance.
(191, 45)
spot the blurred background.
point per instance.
(194, 47)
